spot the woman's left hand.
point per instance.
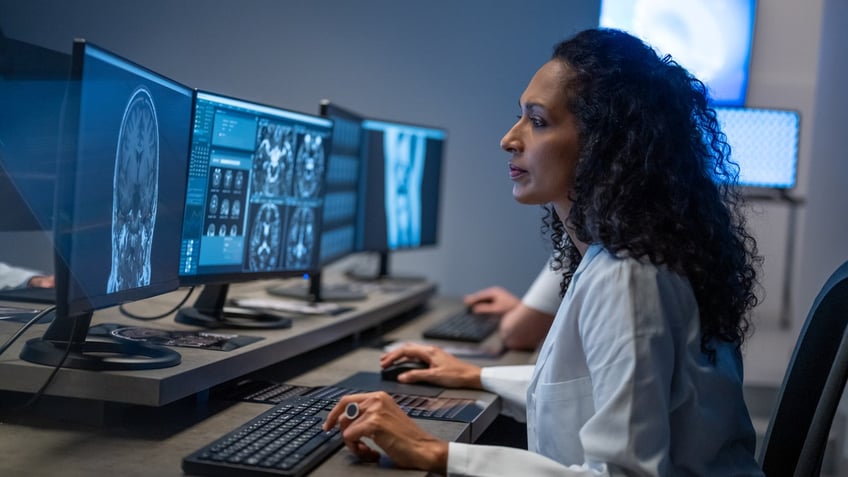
(383, 421)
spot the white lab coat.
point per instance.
(621, 386)
(543, 294)
(15, 277)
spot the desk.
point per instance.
(202, 369)
(151, 441)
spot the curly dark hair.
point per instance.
(654, 179)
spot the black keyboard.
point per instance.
(463, 327)
(265, 392)
(287, 440)
(30, 295)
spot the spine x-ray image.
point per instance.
(135, 193)
(404, 158)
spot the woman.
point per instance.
(641, 372)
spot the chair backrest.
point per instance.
(800, 423)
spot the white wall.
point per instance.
(457, 64)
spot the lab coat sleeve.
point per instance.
(510, 383)
(543, 295)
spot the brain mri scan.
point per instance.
(300, 239)
(265, 240)
(310, 165)
(135, 193)
(274, 160)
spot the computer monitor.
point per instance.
(712, 39)
(254, 202)
(383, 194)
(764, 144)
(400, 188)
(340, 214)
(120, 193)
(33, 81)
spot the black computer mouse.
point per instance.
(391, 372)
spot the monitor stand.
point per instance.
(383, 274)
(209, 312)
(66, 343)
(315, 291)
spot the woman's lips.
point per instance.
(515, 172)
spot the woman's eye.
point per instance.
(538, 122)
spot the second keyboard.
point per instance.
(463, 327)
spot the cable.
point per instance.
(59, 365)
(179, 305)
(25, 327)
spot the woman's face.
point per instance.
(544, 141)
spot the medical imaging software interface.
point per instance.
(255, 189)
(401, 186)
(130, 162)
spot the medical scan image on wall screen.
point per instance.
(255, 189)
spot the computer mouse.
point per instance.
(391, 372)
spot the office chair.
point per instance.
(800, 423)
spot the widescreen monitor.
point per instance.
(383, 194)
(712, 39)
(764, 144)
(33, 81)
(254, 201)
(400, 187)
(120, 195)
(340, 214)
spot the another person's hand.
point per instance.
(384, 422)
(39, 281)
(492, 300)
(445, 369)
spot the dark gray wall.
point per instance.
(458, 64)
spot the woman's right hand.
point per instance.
(445, 369)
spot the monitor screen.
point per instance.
(338, 234)
(122, 183)
(33, 81)
(255, 191)
(712, 39)
(764, 144)
(400, 185)
(120, 192)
